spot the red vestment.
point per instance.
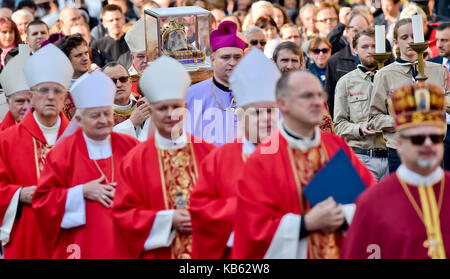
(69, 107)
(268, 191)
(23, 149)
(213, 201)
(69, 165)
(7, 122)
(386, 225)
(146, 188)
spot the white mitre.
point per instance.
(48, 64)
(92, 90)
(12, 78)
(254, 79)
(165, 79)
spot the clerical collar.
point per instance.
(98, 149)
(415, 179)
(164, 143)
(220, 85)
(299, 142)
(125, 107)
(50, 133)
(247, 146)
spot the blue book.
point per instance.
(337, 179)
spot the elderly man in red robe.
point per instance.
(156, 178)
(213, 201)
(406, 215)
(75, 192)
(16, 88)
(275, 220)
(24, 147)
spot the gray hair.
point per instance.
(251, 30)
(303, 9)
(79, 112)
(20, 13)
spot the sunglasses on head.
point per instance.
(255, 42)
(420, 139)
(121, 79)
(319, 50)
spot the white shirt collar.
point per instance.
(125, 107)
(50, 133)
(415, 179)
(445, 62)
(164, 143)
(98, 149)
(304, 143)
(247, 146)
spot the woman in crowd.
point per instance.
(280, 16)
(270, 30)
(319, 52)
(9, 37)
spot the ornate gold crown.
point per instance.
(172, 26)
(417, 104)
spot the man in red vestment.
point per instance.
(156, 178)
(74, 195)
(406, 215)
(16, 89)
(275, 220)
(23, 149)
(213, 201)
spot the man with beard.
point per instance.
(213, 201)
(16, 88)
(352, 102)
(211, 103)
(406, 215)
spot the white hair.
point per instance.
(251, 30)
(22, 12)
(79, 112)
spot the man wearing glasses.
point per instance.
(255, 38)
(24, 147)
(131, 117)
(412, 223)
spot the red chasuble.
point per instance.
(69, 165)
(23, 149)
(149, 179)
(7, 122)
(213, 201)
(270, 188)
(386, 225)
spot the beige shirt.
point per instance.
(351, 109)
(389, 79)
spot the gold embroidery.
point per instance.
(305, 164)
(40, 153)
(179, 172)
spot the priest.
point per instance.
(211, 103)
(156, 178)
(406, 215)
(16, 88)
(213, 201)
(24, 147)
(274, 218)
(75, 192)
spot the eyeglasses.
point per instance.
(328, 20)
(121, 79)
(46, 90)
(255, 42)
(420, 139)
(319, 50)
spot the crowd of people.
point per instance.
(109, 152)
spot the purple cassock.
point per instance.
(208, 120)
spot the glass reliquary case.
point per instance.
(181, 33)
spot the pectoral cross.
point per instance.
(180, 203)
